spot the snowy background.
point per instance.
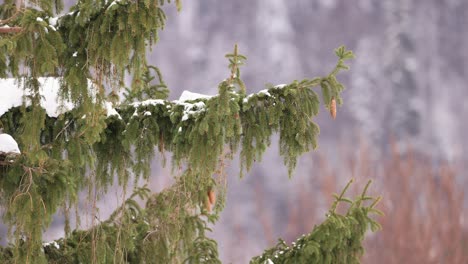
(407, 86)
(408, 80)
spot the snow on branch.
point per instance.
(187, 95)
(8, 29)
(13, 95)
(8, 149)
(8, 145)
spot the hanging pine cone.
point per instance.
(333, 107)
(207, 204)
(211, 197)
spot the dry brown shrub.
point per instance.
(425, 211)
(423, 201)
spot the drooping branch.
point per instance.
(132, 233)
(202, 123)
(120, 143)
(338, 239)
(18, 5)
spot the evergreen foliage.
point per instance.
(88, 148)
(337, 240)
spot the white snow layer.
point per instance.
(53, 243)
(111, 111)
(265, 92)
(279, 86)
(13, 95)
(192, 109)
(147, 102)
(186, 96)
(53, 21)
(113, 3)
(8, 144)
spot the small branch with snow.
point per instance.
(7, 29)
(187, 96)
(8, 149)
(8, 145)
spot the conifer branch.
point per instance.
(336, 240)
(101, 43)
(339, 198)
(18, 7)
(235, 61)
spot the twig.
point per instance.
(6, 30)
(19, 5)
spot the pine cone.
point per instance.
(211, 197)
(208, 205)
(333, 107)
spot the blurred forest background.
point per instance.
(401, 124)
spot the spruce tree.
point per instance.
(95, 137)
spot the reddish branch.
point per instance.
(10, 30)
(19, 5)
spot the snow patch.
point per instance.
(265, 92)
(192, 109)
(186, 96)
(13, 94)
(53, 21)
(39, 19)
(148, 102)
(53, 243)
(50, 101)
(113, 3)
(268, 261)
(8, 144)
(111, 110)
